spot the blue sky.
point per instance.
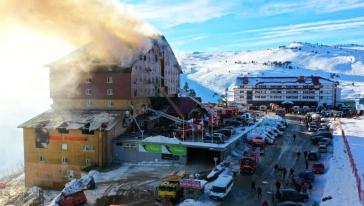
(211, 25)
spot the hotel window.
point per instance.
(110, 103)
(109, 92)
(88, 91)
(64, 146)
(88, 162)
(88, 148)
(109, 80)
(88, 81)
(88, 103)
(41, 158)
(64, 160)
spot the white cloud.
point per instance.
(170, 14)
(307, 6)
(299, 30)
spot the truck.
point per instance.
(169, 189)
(281, 112)
(249, 162)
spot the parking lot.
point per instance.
(282, 153)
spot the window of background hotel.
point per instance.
(64, 160)
(64, 146)
(88, 91)
(88, 103)
(109, 80)
(41, 158)
(88, 81)
(88, 162)
(110, 103)
(109, 92)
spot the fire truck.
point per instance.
(248, 162)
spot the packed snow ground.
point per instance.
(354, 130)
(339, 181)
(219, 70)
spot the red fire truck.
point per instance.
(248, 162)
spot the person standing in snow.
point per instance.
(298, 155)
(305, 153)
(259, 192)
(294, 137)
(291, 172)
(284, 173)
(253, 186)
(306, 164)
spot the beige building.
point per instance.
(90, 109)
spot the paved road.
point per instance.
(282, 153)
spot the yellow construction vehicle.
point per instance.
(169, 189)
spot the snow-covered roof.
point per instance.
(282, 80)
(162, 140)
(90, 120)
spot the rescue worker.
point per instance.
(284, 173)
(306, 164)
(278, 185)
(265, 203)
(294, 137)
(305, 153)
(253, 186)
(291, 172)
(259, 192)
(298, 155)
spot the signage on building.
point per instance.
(191, 183)
(163, 149)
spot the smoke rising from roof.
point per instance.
(116, 33)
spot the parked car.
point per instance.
(289, 203)
(233, 123)
(314, 156)
(324, 141)
(322, 148)
(312, 128)
(226, 132)
(213, 139)
(292, 195)
(316, 138)
(318, 168)
(307, 176)
(327, 134)
(219, 135)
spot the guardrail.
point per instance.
(353, 164)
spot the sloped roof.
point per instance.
(91, 120)
(184, 104)
(89, 54)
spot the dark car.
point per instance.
(226, 132)
(316, 138)
(307, 176)
(292, 195)
(324, 141)
(318, 168)
(289, 203)
(232, 123)
(327, 134)
(213, 139)
(313, 156)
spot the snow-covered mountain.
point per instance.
(218, 70)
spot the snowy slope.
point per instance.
(218, 70)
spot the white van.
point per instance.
(221, 187)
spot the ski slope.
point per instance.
(219, 70)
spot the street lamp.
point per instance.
(215, 160)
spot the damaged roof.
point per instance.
(91, 120)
